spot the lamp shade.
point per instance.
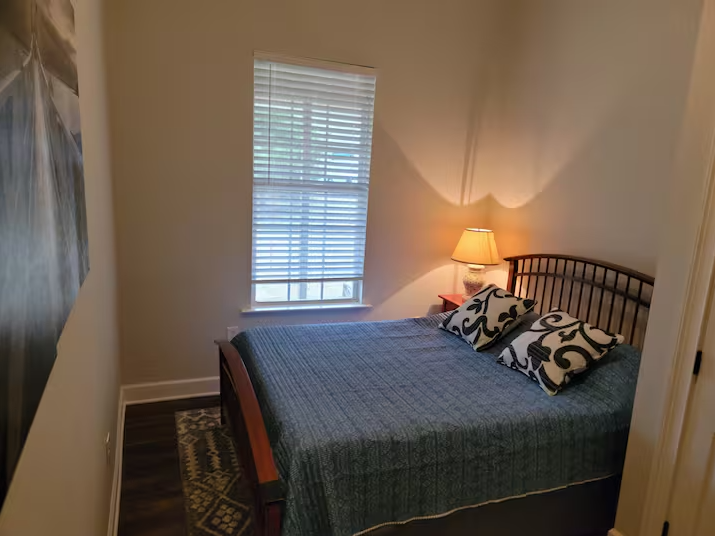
(477, 246)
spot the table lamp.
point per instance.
(476, 249)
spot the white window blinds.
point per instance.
(312, 139)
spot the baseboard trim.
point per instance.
(115, 497)
(143, 393)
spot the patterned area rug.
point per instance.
(218, 499)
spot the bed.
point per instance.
(399, 428)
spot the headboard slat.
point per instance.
(635, 319)
(613, 301)
(563, 282)
(594, 276)
(625, 303)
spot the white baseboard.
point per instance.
(142, 393)
(615, 532)
(117, 476)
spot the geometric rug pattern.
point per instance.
(218, 498)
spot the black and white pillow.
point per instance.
(556, 347)
(488, 314)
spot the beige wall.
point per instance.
(181, 104)
(62, 483)
(552, 121)
(578, 141)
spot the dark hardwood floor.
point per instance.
(152, 501)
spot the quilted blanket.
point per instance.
(378, 422)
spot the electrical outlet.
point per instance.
(108, 447)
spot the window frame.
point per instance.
(305, 304)
(358, 283)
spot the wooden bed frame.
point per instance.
(611, 297)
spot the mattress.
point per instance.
(381, 422)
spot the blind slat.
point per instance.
(315, 77)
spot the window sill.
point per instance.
(312, 308)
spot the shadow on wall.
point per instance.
(411, 233)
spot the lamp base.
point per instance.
(473, 280)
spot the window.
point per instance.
(312, 137)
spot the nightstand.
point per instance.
(450, 302)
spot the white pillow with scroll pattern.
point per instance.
(486, 316)
(556, 347)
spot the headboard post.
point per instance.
(511, 280)
(611, 297)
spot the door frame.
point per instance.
(683, 278)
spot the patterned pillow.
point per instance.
(556, 347)
(484, 317)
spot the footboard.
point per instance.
(240, 409)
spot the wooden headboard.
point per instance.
(611, 297)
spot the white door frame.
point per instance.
(683, 277)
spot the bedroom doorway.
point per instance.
(692, 508)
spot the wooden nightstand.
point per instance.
(450, 302)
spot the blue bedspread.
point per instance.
(377, 422)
